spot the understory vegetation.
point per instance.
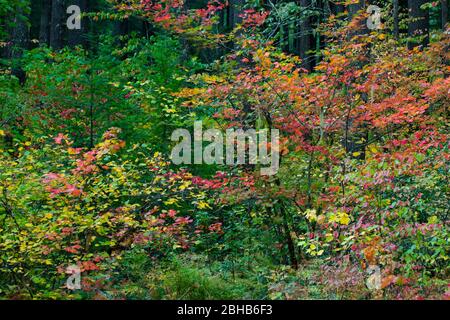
(359, 208)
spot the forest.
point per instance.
(224, 150)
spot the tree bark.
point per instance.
(355, 7)
(303, 40)
(289, 241)
(57, 24)
(44, 30)
(234, 10)
(19, 36)
(336, 8)
(121, 28)
(20, 39)
(419, 24)
(444, 13)
(396, 21)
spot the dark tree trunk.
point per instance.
(354, 134)
(396, 21)
(419, 24)
(234, 10)
(289, 240)
(326, 8)
(75, 37)
(57, 24)
(46, 14)
(336, 8)
(121, 28)
(303, 41)
(444, 13)
(354, 8)
(20, 39)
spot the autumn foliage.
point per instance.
(86, 179)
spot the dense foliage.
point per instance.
(86, 179)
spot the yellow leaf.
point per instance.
(344, 218)
(373, 149)
(433, 219)
(184, 185)
(203, 205)
(170, 201)
(311, 214)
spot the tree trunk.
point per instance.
(444, 13)
(419, 24)
(336, 8)
(396, 22)
(57, 24)
(234, 12)
(44, 30)
(19, 36)
(289, 241)
(20, 39)
(303, 40)
(121, 28)
(355, 7)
